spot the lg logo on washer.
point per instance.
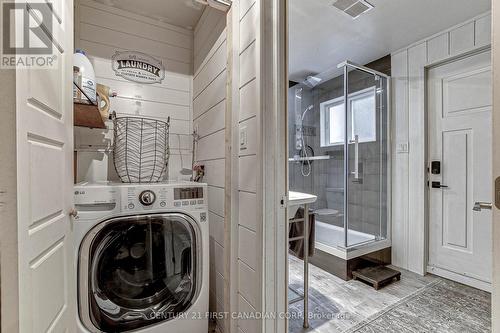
(138, 67)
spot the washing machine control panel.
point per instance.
(136, 198)
(188, 196)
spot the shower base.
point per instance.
(343, 268)
(331, 256)
(334, 236)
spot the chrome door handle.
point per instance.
(480, 205)
(356, 157)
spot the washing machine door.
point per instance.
(138, 271)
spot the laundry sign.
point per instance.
(138, 67)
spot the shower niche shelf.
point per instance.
(87, 115)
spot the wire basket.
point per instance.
(141, 149)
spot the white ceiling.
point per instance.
(183, 13)
(321, 36)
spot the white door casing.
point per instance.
(47, 283)
(460, 137)
(495, 297)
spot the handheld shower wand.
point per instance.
(304, 147)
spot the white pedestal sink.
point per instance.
(297, 199)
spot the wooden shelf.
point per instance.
(86, 115)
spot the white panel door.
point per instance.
(459, 116)
(45, 177)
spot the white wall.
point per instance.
(206, 33)
(8, 204)
(209, 108)
(246, 79)
(409, 129)
(101, 31)
(232, 172)
(495, 300)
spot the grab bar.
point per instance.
(356, 157)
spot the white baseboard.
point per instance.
(469, 281)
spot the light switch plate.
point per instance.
(243, 138)
(402, 147)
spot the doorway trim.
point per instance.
(431, 269)
(274, 73)
(495, 300)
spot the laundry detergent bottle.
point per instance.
(84, 77)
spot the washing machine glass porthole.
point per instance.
(142, 270)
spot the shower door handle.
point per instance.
(356, 157)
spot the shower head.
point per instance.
(309, 108)
(312, 81)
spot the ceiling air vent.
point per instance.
(344, 4)
(353, 8)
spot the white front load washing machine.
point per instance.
(142, 257)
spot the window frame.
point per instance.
(325, 116)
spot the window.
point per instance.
(362, 118)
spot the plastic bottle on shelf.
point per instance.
(84, 77)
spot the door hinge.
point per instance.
(283, 201)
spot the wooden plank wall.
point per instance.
(409, 130)
(247, 113)
(101, 30)
(209, 108)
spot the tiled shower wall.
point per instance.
(367, 200)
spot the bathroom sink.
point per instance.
(296, 199)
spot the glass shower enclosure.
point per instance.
(339, 149)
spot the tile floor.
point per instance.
(352, 306)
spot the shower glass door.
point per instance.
(367, 156)
(339, 151)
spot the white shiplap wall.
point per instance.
(102, 30)
(247, 112)
(409, 127)
(206, 34)
(209, 108)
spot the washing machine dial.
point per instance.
(147, 197)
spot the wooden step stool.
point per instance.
(377, 276)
